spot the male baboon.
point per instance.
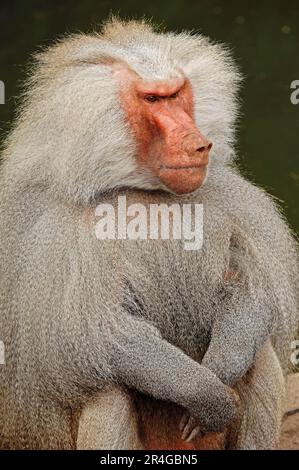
(129, 343)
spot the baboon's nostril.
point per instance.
(205, 147)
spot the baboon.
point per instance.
(138, 344)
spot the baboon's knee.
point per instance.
(108, 421)
(262, 392)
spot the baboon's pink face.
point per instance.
(168, 141)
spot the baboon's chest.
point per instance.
(166, 287)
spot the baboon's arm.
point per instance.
(236, 338)
(142, 360)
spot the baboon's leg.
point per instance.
(262, 393)
(109, 422)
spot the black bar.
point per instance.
(135, 459)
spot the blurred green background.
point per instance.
(264, 36)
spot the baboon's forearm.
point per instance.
(236, 338)
(154, 367)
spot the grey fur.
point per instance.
(79, 314)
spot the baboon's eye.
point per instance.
(151, 98)
(174, 95)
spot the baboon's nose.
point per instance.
(197, 147)
(204, 147)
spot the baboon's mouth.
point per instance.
(183, 167)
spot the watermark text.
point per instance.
(152, 222)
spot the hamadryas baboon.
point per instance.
(138, 343)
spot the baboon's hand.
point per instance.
(189, 428)
(211, 409)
